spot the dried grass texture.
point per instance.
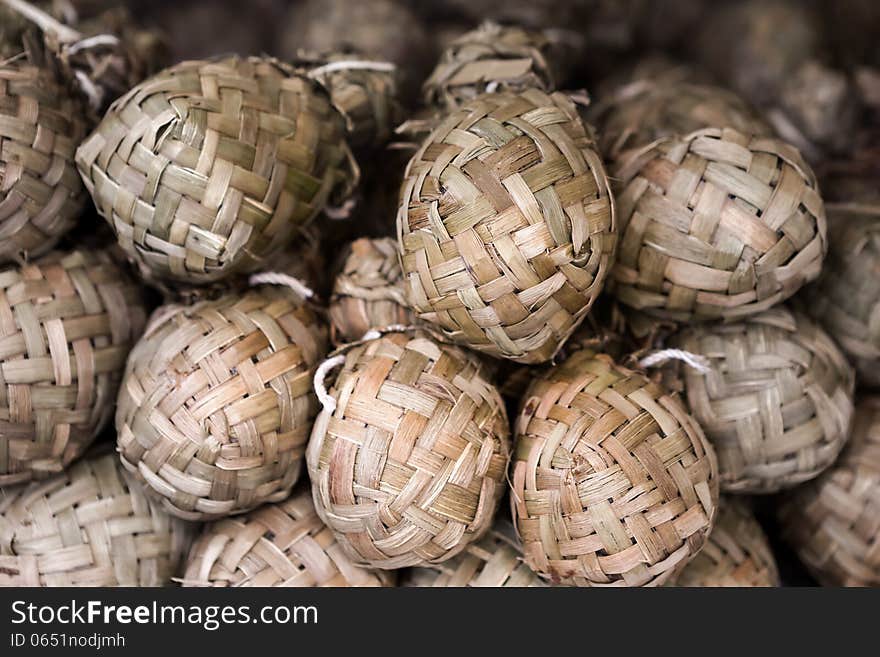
(209, 168)
(409, 468)
(614, 483)
(778, 401)
(41, 194)
(283, 544)
(90, 526)
(67, 323)
(833, 523)
(715, 224)
(217, 402)
(507, 225)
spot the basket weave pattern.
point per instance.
(207, 168)
(507, 225)
(716, 224)
(217, 402)
(90, 526)
(777, 403)
(409, 467)
(41, 193)
(613, 482)
(67, 323)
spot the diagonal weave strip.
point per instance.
(614, 483)
(777, 401)
(208, 168)
(41, 194)
(90, 526)
(715, 224)
(67, 323)
(409, 467)
(507, 225)
(737, 553)
(833, 522)
(283, 544)
(217, 402)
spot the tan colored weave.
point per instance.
(833, 522)
(217, 402)
(90, 526)
(493, 561)
(208, 168)
(614, 483)
(41, 194)
(409, 468)
(777, 403)
(283, 544)
(716, 224)
(507, 225)
(67, 323)
(846, 298)
(736, 554)
(368, 292)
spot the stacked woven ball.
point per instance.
(277, 322)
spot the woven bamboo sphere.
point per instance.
(493, 561)
(89, 526)
(217, 402)
(409, 466)
(507, 225)
(777, 401)
(715, 224)
(737, 553)
(368, 292)
(208, 168)
(846, 298)
(283, 544)
(614, 483)
(67, 323)
(833, 522)
(41, 194)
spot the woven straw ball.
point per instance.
(209, 167)
(67, 323)
(368, 292)
(507, 225)
(777, 402)
(493, 561)
(90, 526)
(41, 194)
(833, 522)
(614, 483)
(737, 553)
(217, 402)
(715, 224)
(283, 544)
(409, 466)
(846, 298)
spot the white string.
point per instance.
(374, 334)
(351, 65)
(339, 212)
(277, 278)
(699, 363)
(91, 42)
(327, 400)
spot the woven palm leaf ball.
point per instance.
(737, 553)
(368, 291)
(613, 482)
(67, 323)
(210, 167)
(407, 462)
(777, 400)
(507, 225)
(89, 526)
(833, 522)
(41, 194)
(283, 544)
(493, 561)
(715, 224)
(217, 401)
